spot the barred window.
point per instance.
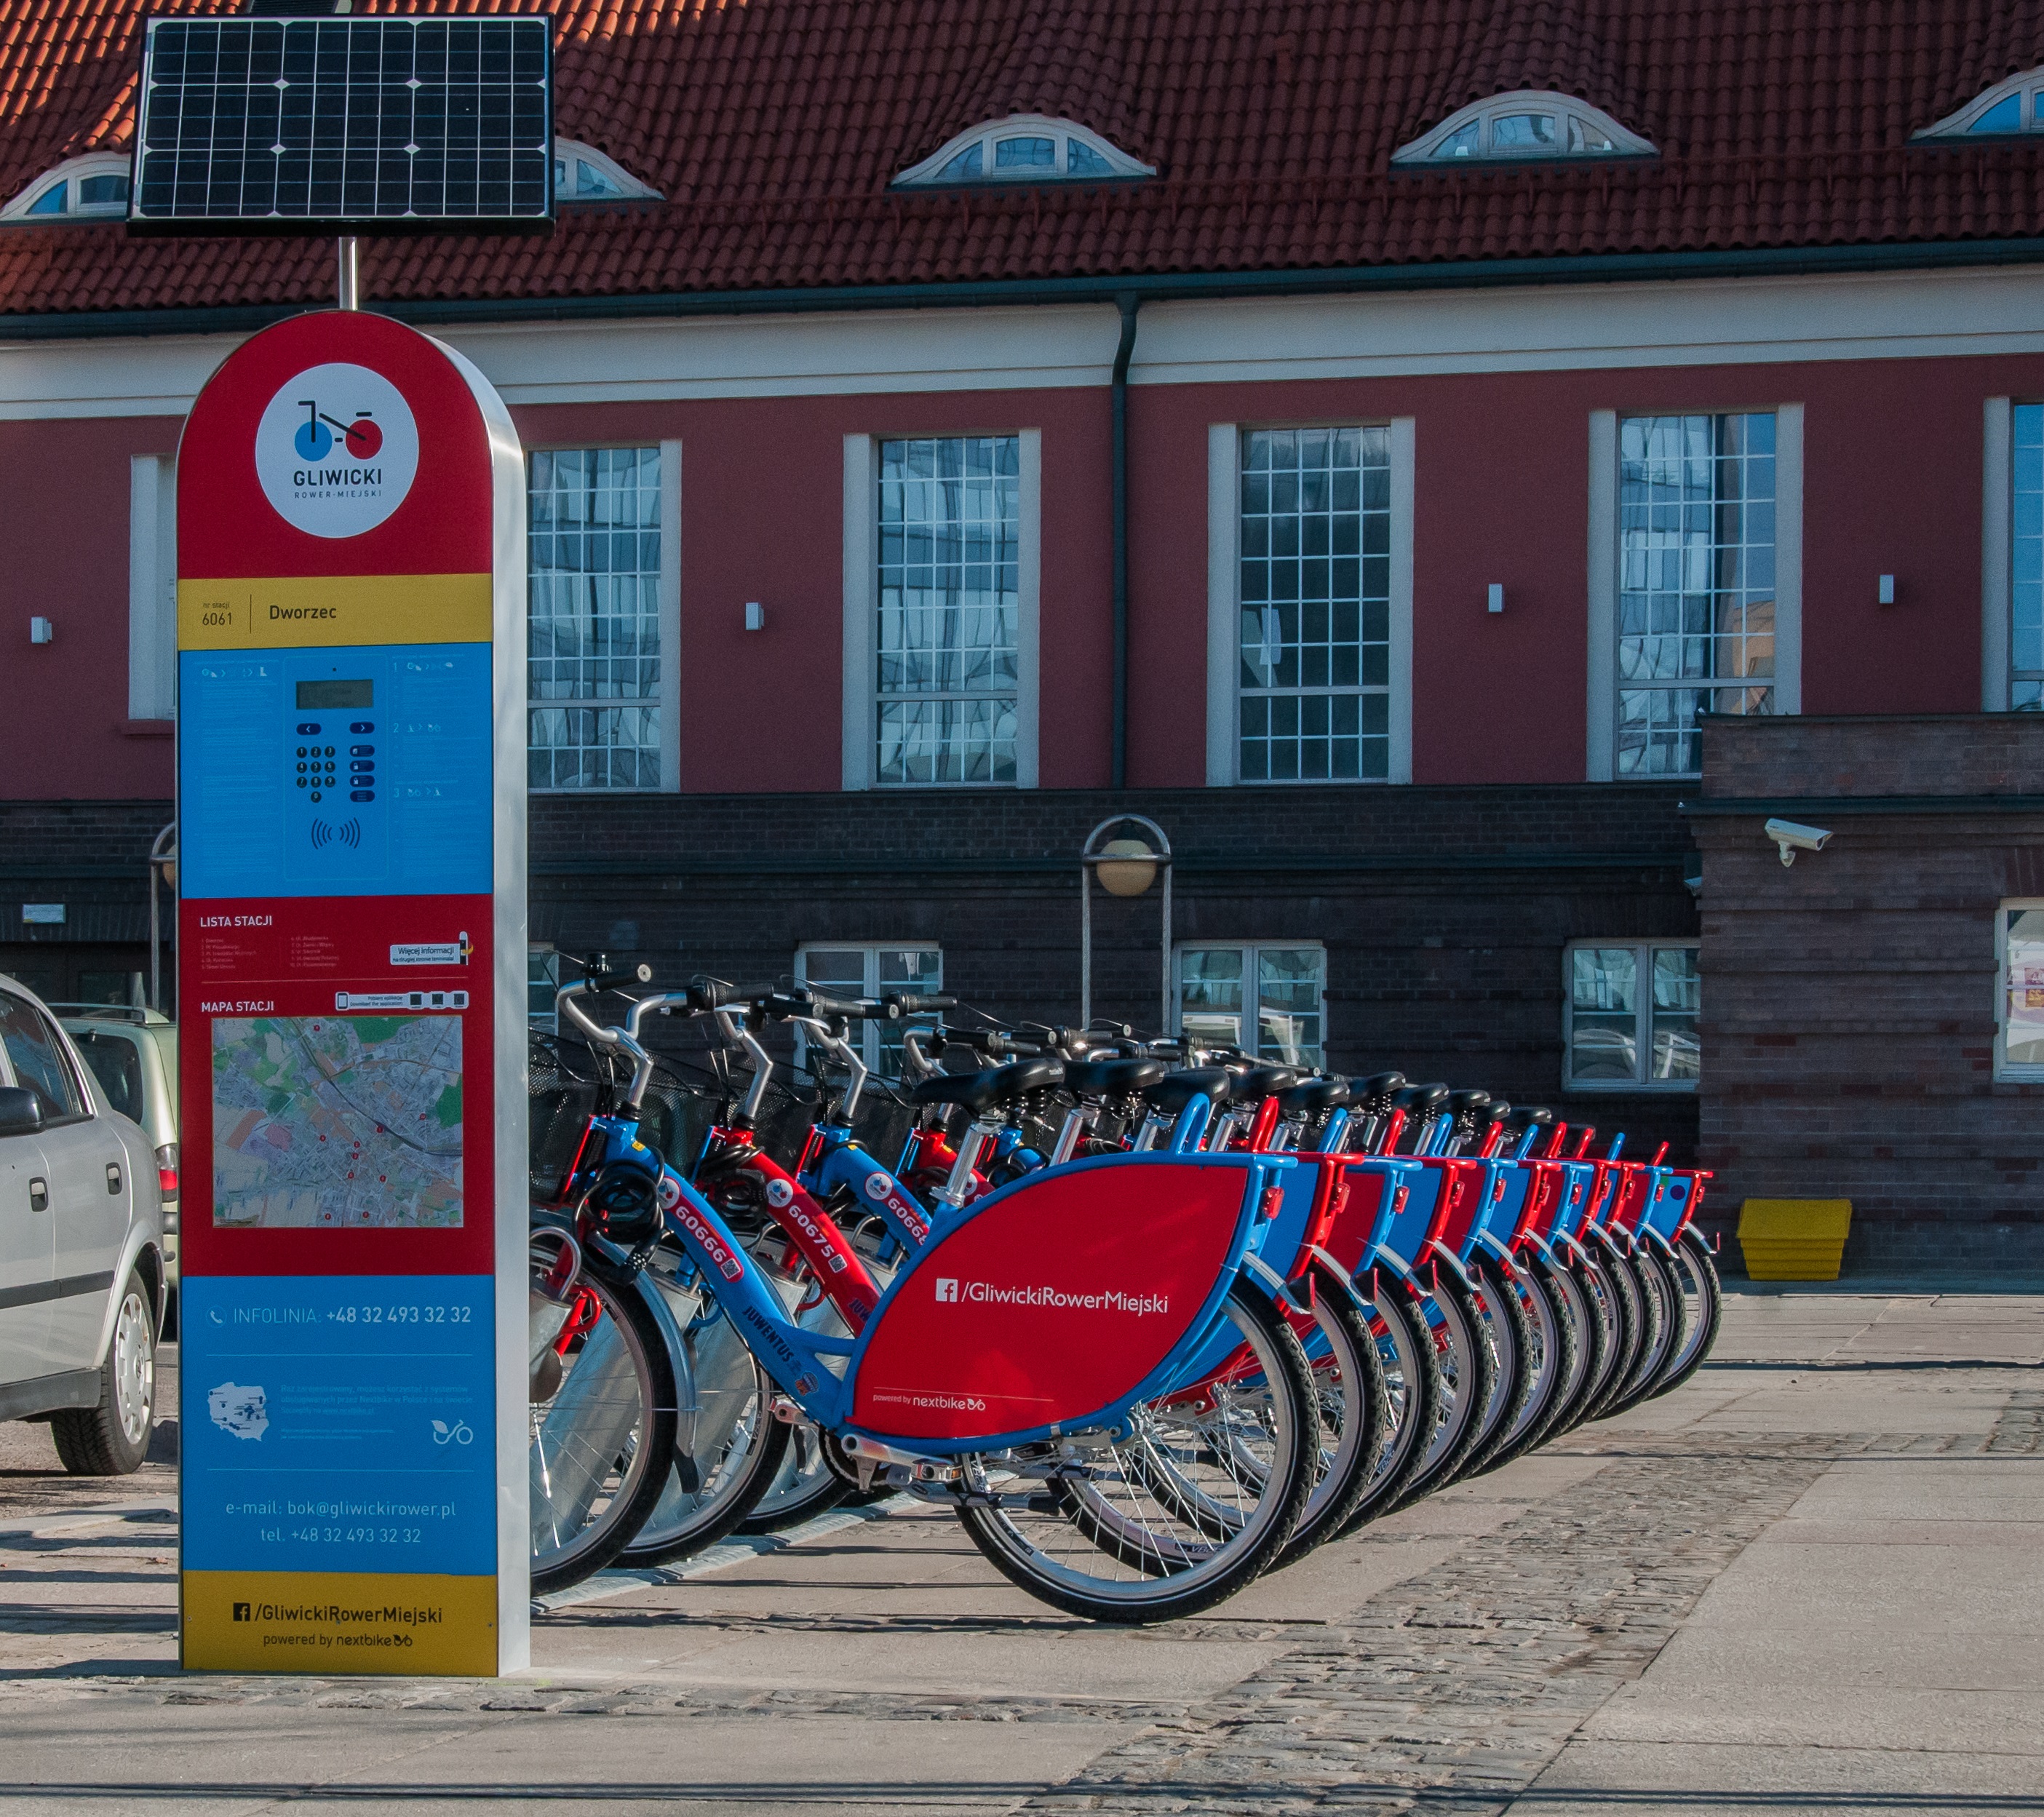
(1316, 597)
(594, 640)
(1696, 599)
(950, 615)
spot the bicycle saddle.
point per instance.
(1311, 1095)
(1531, 1116)
(1110, 1078)
(1468, 1103)
(1420, 1100)
(982, 1090)
(1254, 1083)
(1174, 1091)
(1377, 1092)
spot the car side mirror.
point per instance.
(21, 1111)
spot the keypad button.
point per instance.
(316, 794)
(363, 725)
(362, 795)
(301, 780)
(307, 729)
(330, 750)
(361, 750)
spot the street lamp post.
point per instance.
(1126, 867)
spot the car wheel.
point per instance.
(112, 1439)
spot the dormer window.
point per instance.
(583, 174)
(91, 188)
(1023, 148)
(2015, 106)
(1529, 123)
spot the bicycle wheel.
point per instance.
(1671, 1311)
(1696, 1280)
(1413, 1395)
(1079, 1526)
(803, 1487)
(602, 1422)
(1511, 1337)
(1581, 1334)
(1607, 1329)
(1350, 1394)
(728, 1447)
(1639, 1310)
(1469, 1373)
(1554, 1351)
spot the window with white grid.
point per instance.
(2026, 655)
(594, 647)
(1269, 1001)
(1697, 582)
(1316, 597)
(873, 970)
(950, 610)
(1632, 1016)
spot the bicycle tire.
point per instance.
(1469, 1367)
(1604, 1334)
(803, 1487)
(1511, 1331)
(1554, 1352)
(1032, 1539)
(730, 1445)
(1693, 1253)
(1581, 1326)
(1359, 1423)
(1639, 1330)
(1413, 1392)
(1671, 1315)
(585, 1508)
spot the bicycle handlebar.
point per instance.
(900, 1003)
(707, 993)
(990, 1041)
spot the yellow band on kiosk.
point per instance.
(346, 609)
(339, 1622)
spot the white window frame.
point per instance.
(1224, 603)
(866, 1036)
(925, 175)
(1605, 554)
(2029, 84)
(1251, 1002)
(152, 587)
(1426, 149)
(630, 188)
(861, 679)
(669, 699)
(1998, 680)
(1643, 1039)
(2012, 1072)
(70, 172)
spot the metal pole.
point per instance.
(1164, 1006)
(156, 946)
(350, 284)
(1085, 948)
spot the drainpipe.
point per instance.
(1127, 303)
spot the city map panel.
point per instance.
(337, 1122)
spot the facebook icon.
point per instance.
(947, 1290)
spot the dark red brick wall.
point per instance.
(1848, 1001)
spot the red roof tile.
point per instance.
(773, 128)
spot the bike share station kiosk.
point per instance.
(351, 686)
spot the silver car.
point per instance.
(83, 1273)
(133, 1055)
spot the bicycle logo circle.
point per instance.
(459, 1433)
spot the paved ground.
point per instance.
(1808, 1582)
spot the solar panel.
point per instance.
(331, 123)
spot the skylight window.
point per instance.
(90, 188)
(2010, 107)
(1023, 148)
(582, 174)
(1529, 123)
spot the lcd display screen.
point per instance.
(312, 695)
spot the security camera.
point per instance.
(1793, 836)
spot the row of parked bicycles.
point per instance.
(1149, 1318)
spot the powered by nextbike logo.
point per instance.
(337, 450)
(953, 1292)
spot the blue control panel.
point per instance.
(366, 771)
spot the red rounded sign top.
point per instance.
(334, 443)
